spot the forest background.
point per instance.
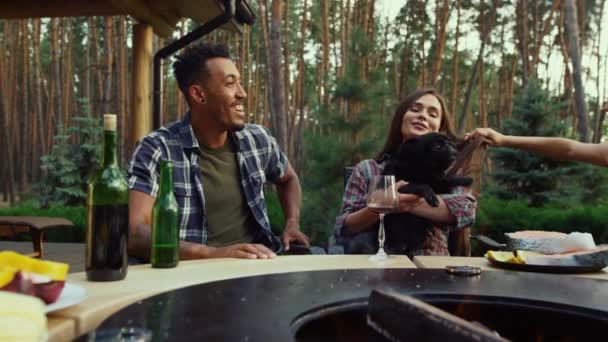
(325, 76)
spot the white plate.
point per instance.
(70, 295)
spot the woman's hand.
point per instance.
(490, 136)
(406, 202)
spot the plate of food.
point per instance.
(43, 279)
(72, 294)
(544, 268)
(550, 252)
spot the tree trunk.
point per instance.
(454, 92)
(275, 79)
(485, 36)
(67, 78)
(422, 79)
(443, 14)
(97, 67)
(522, 34)
(483, 120)
(37, 89)
(544, 31)
(297, 120)
(25, 139)
(286, 66)
(5, 121)
(123, 84)
(325, 51)
(599, 114)
(179, 99)
(87, 71)
(56, 78)
(575, 56)
(107, 65)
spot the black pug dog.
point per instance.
(422, 162)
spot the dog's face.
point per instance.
(435, 151)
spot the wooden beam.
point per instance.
(163, 26)
(56, 8)
(141, 113)
(199, 11)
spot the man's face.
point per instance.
(224, 96)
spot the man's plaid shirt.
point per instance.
(460, 202)
(258, 156)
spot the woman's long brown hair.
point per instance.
(466, 162)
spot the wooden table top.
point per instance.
(142, 281)
(443, 261)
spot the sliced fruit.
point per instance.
(6, 276)
(40, 278)
(501, 256)
(53, 270)
(522, 256)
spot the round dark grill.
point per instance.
(332, 305)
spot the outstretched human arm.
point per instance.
(552, 147)
(140, 236)
(290, 196)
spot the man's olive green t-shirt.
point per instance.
(228, 215)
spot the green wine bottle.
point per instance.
(107, 214)
(165, 218)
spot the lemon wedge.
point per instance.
(521, 256)
(502, 256)
(12, 260)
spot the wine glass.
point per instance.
(382, 199)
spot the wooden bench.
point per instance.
(11, 226)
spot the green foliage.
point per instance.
(496, 217)
(78, 216)
(72, 161)
(524, 175)
(354, 135)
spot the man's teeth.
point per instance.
(239, 107)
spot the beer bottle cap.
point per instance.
(109, 122)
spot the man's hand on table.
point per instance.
(292, 233)
(243, 251)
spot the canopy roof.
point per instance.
(162, 15)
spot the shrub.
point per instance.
(75, 155)
(496, 217)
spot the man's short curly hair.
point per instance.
(191, 65)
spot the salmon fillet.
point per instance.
(597, 256)
(547, 242)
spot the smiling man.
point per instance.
(220, 166)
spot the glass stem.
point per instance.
(381, 235)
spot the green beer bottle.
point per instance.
(107, 214)
(165, 218)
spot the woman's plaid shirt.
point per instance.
(460, 202)
(258, 156)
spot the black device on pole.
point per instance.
(233, 9)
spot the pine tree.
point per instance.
(74, 158)
(527, 175)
